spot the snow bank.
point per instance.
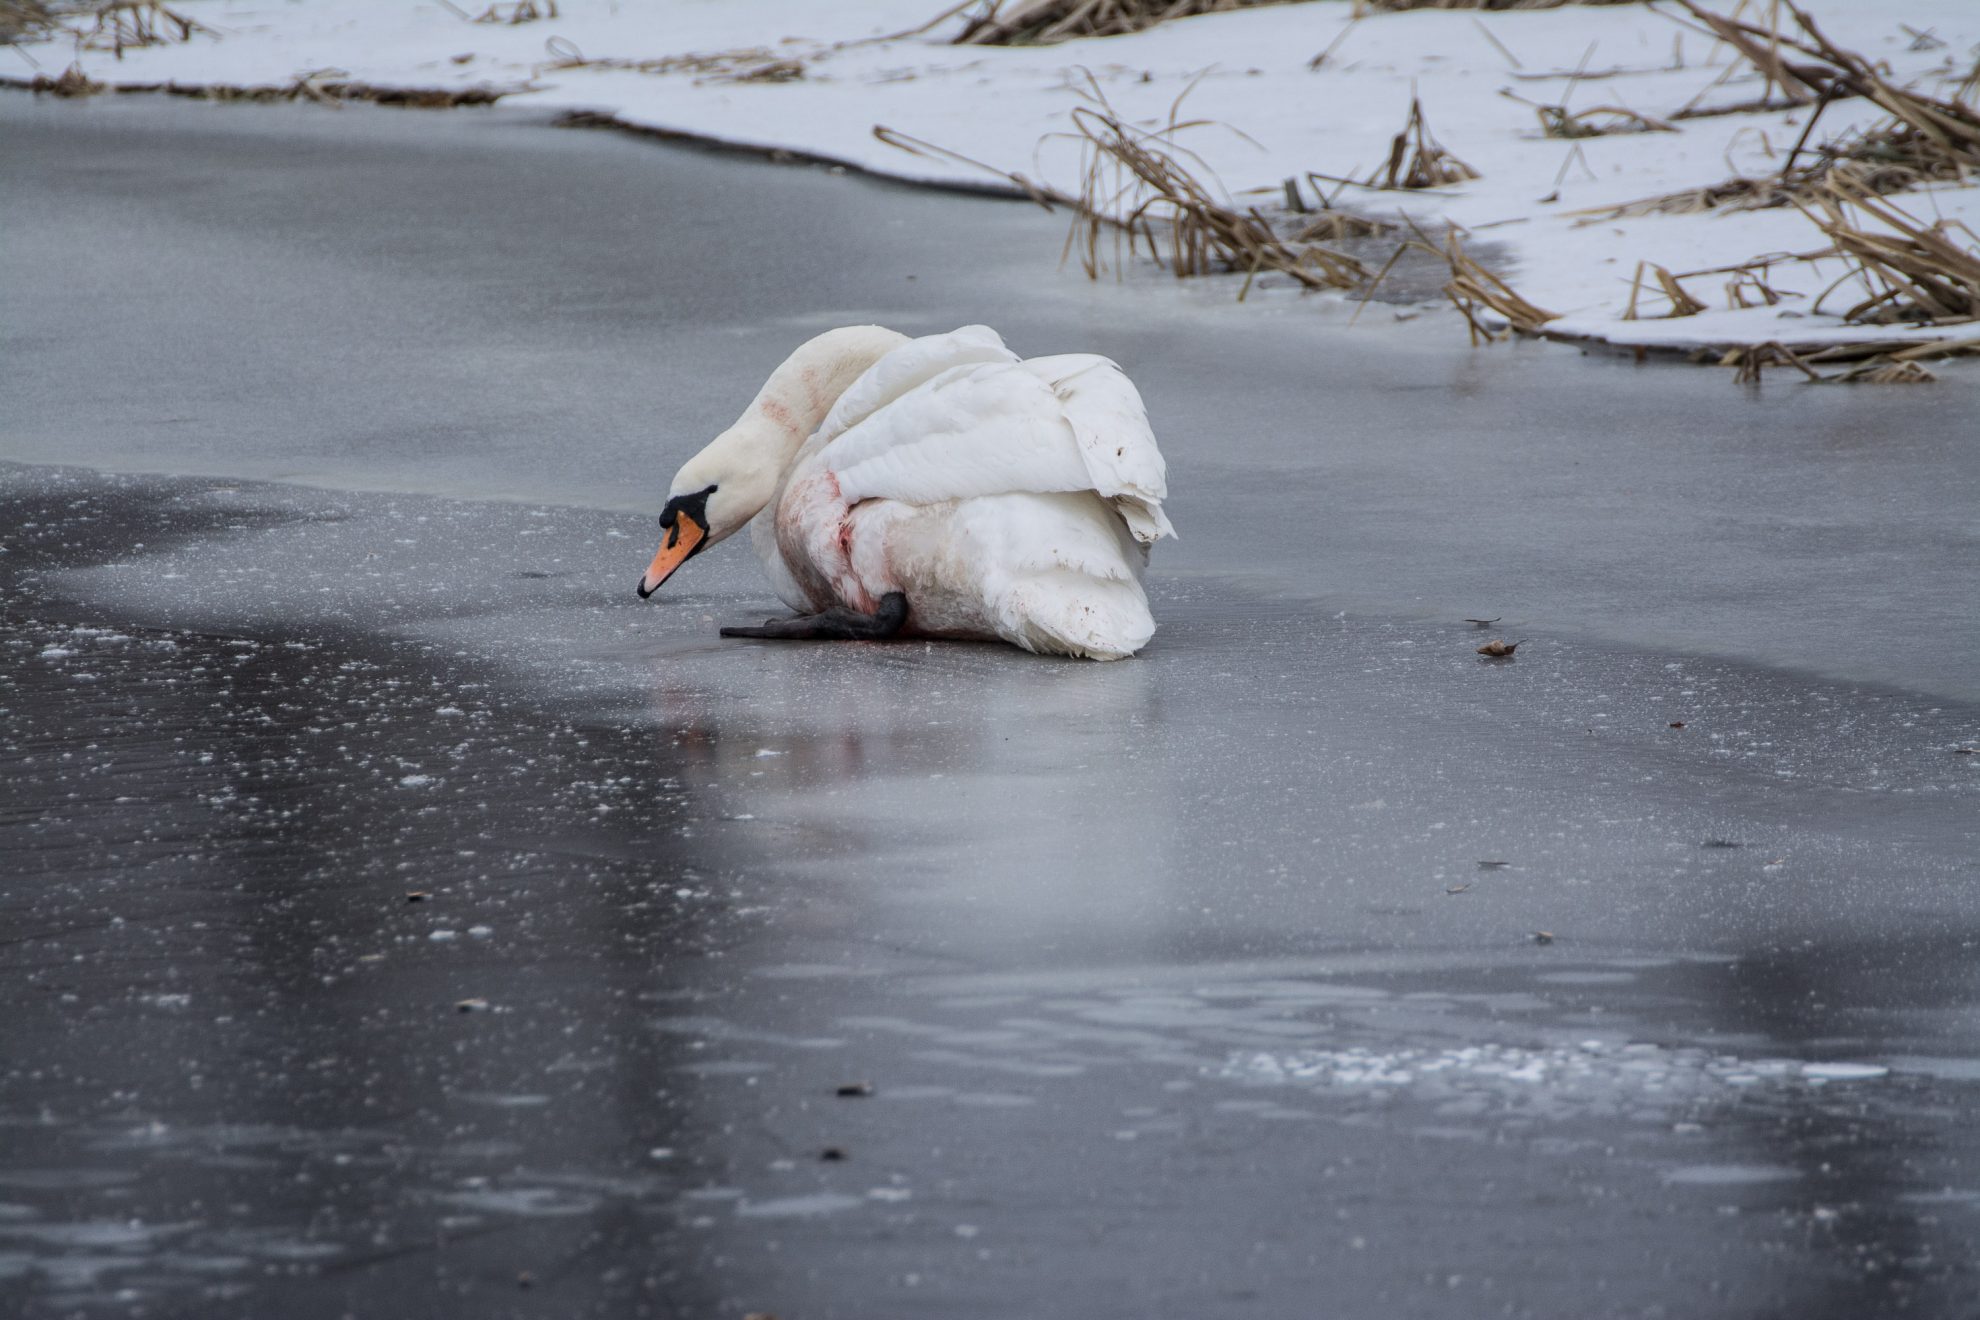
(685, 66)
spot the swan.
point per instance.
(935, 487)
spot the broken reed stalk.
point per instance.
(324, 86)
(1473, 290)
(1911, 271)
(750, 64)
(1681, 302)
(1139, 183)
(1362, 7)
(72, 82)
(518, 11)
(1557, 121)
(1868, 362)
(1924, 138)
(1042, 22)
(1417, 160)
(26, 20)
(135, 24)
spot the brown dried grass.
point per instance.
(1557, 121)
(1679, 299)
(135, 24)
(754, 64)
(1398, 6)
(1867, 362)
(1924, 138)
(1910, 271)
(331, 87)
(1043, 22)
(27, 20)
(1141, 184)
(71, 82)
(1417, 160)
(1147, 193)
(1475, 291)
(516, 12)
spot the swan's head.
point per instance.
(703, 509)
(720, 489)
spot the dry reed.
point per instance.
(1139, 183)
(1924, 138)
(71, 82)
(1398, 6)
(1417, 160)
(323, 86)
(754, 64)
(1557, 121)
(135, 24)
(1681, 303)
(517, 11)
(25, 20)
(1867, 362)
(1474, 291)
(1910, 271)
(1042, 22)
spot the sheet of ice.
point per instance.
(686, 67)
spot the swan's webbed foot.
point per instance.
(837, 624)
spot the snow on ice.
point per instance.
(817, 78)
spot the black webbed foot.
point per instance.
(837, 624)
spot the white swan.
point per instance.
(936, 487)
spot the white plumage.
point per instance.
(1003, 498)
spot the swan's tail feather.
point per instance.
(1064, 612)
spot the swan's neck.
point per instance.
(747, 462)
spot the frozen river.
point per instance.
(330, 445)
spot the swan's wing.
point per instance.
(989, 429)
(956, 416)
(1115, 441)
(907, 368)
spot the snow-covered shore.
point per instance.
(817, 78)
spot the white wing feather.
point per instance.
(1115, 440)
(902, 370)
(959, 415)
(989, 429)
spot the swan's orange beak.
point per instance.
(683, 539)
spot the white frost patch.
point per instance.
(674, 67)
(415, 781)
(1730, 1175)
(530, 1202)
(1579, 1077)
(793, 1207)
(1842, 1072)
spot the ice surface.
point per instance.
(1041, 908)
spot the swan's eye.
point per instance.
(694, 506)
